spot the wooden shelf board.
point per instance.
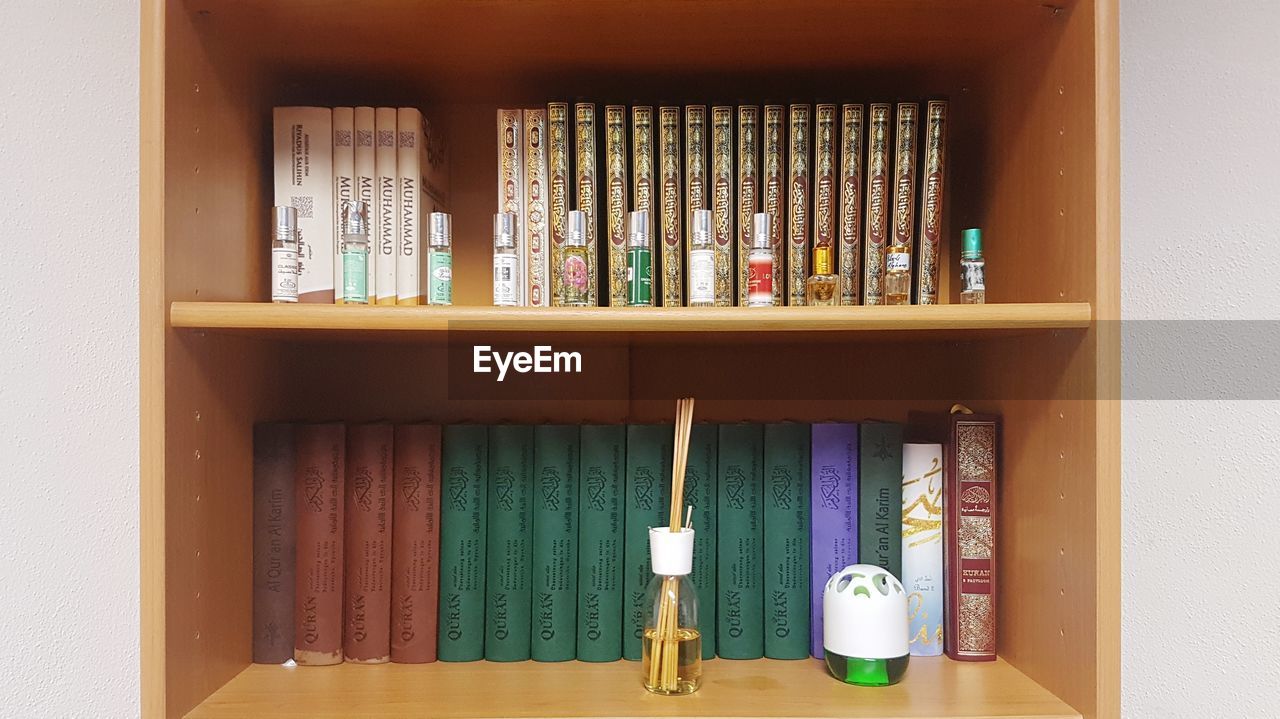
(934, 687)
(266, 318)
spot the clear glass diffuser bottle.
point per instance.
(672, 646)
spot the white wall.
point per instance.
(1200, 181)
(69, 359)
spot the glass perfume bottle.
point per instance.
(702, 267)
(573, 274)
(671, 650)
(506, 264)
(355, 252)
(439, 259)
(760, 263)
(284, 254)
(823, 288)
(973, 269)
(639, 260)
(897, 274)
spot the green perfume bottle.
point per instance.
(355, 252)
(439, 259)
(639, 260)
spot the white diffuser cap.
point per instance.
(864, 614)
(671, 553)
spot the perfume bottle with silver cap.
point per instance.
(284, 254)
(639, 260)
(702, 263)
(760, 263)
(573, 274)
(439, 259)
(506, 264)
(355, 252)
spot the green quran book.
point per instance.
(740, 540)
(880, 496)
(465, 466)
(648, 498)
(508, 595)
(700, 493)
(600, 520)
(786, 541)
(555, 542)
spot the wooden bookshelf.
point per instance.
(1033, 161)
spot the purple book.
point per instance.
(835, 511)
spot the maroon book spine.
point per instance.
(415, 551)
(366, 638)
(318, 480)
(274, 543)
(970, 521)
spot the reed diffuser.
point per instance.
(672, 647)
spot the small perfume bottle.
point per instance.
(897, 274)
(671, 650)
(639, 261)
(439, 259)
(760, 263)
(702, 267)
(355, 252)
(823, 288)
(506, 265)
(284, 254)
(573, 274)
(973, 269)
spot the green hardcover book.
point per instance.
(700, 493)
(465, 466)
(648, 503)
(740, 542)
(880, 496)
(600, 520)
(508, 598)
(786, 541)
(555, 542)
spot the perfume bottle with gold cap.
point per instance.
(823, 288)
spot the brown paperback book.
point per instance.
(722, 204)
(642, 167)
(584, 164)
(774, 193)
(318, 479)
(695, 163)
(615, 162)
(748, 189)
(274, 542)
(367, 608)
(560, 189)
(969, 504)
(851, 130)
(931, 197)
(824, 176)
(669, 219)
(798, 224)
(415, 545)
(877, 204)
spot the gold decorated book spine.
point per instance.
(931, 197)
(722, 206)
(535, 206)
(877, 191)
(798, 205)
(642, 188)
(560, 188)
(824, 176)
(669, 169)
(904, 192)
(852, 127)
(615, 149)
(510, 180)
(585, 178)
(774, 192)
(695, 163)
(748, 189)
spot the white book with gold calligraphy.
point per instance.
(922, 574)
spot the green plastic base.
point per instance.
(867, 672)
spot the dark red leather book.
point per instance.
(318, 480)
(415, 545)
(274, 543)
(969, 499)
(366, 637)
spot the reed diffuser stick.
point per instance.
(664, 658)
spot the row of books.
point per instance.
(393, 159)
(376, 543)
(866, 182)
